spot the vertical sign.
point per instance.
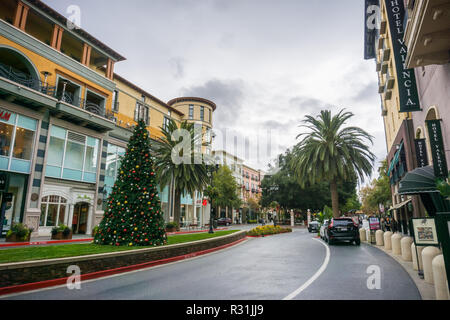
(371, 27)
(421, 153)
(437, 148)
(409, 98)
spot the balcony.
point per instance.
(427, 33)
(390, 81)
(60, 103)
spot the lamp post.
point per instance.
(211, 192)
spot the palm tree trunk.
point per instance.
(334, 198)
(177, 207)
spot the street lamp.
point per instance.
(211, 192)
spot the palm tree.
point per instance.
(332, 153)
(188, 177)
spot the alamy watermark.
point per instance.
(374, 280)
(74, 19)
(74, 280)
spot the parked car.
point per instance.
(224, 221)
(323, 227)
(313, 226)
(342, 229)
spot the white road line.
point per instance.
(314, 277)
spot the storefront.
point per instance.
(71, 173)
(17, 143)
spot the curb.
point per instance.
(426, 290)
(38, 243)
(104, 273)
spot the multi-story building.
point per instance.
(235, 164)
(412, 55)
(251, 186)
(65, 119)
(398, 104)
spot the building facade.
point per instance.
(412, 58)
(235, 164)
(65, 119)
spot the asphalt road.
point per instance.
(290, 266)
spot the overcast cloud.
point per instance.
(266, 64)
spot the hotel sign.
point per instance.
(437, 148)
(421, 152)
(409, 98)
(371, 27)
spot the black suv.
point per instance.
(342, 229)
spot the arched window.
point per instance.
(53, 211)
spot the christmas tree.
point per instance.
(133, 216)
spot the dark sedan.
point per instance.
(224, 221)
(313, 226)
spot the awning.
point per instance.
(395, 160)
(401, 204)
(420, 180)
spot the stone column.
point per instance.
(428, 255)
(396, 244)
(440, 278)
(379, 237)
(417, 255)
(388, 240)
(406, 248)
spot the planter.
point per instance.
(60, 236)
(14, 238)
(171, 229)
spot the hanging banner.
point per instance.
(409, 98)
(421, 152)
(371, 27)
(437, 148)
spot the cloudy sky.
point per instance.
(265, 63)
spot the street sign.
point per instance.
(374, 223)
(424, 232)
(205, 203)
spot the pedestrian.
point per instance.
(388, 224)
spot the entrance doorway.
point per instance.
(80, 217)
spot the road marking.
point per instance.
(314, 277)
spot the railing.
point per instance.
(26, 80)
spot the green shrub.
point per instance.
(61, 228)
(19, 230)
(172, 225)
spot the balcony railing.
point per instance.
(12, 74)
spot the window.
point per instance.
(17, 135)
(202, 113)
(113, 160)
(115, 103)
(53, 211)
(143, 98)
(72, 156)
(166, 123)
(191, 112)
(141, 112)
(210, 116)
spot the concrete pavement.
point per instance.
(267, 268)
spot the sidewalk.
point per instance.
(426, 289)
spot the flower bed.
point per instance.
(267, 230)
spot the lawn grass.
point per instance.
(71, 250)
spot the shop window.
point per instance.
(72, 156)
(17, 135)
(53, 211)
(113, 161)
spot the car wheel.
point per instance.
(330, 242)
(358, 242)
